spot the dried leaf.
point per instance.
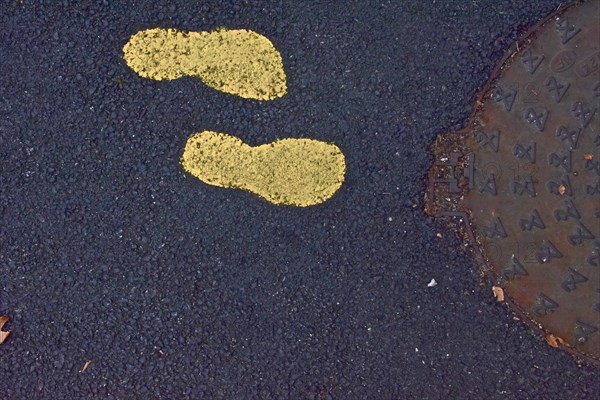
(86, 365)
(498, 293)
(3, 335)
(554, 341)
(588, 156)
(551, 340)
(562, 189)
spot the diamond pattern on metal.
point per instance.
(521, 182)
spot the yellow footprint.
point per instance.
(297, 172)
(239, 62)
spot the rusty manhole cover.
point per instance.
(522, 181)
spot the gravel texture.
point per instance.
(175, 289)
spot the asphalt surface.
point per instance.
(174, 289)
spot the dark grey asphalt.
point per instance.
(175, 289)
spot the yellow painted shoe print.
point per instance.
(295, 172)
(239, 62)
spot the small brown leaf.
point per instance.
(588, 156)
(86, 365)
(498, 293)
(3, 335)
(562, 189)
(554, 341)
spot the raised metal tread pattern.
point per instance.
(524, 178)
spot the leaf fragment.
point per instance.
(498, 293)
(554, 341)
(3, 334)
(86, 365)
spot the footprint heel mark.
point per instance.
(295, 172)
(238, 62)
(215, 159)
